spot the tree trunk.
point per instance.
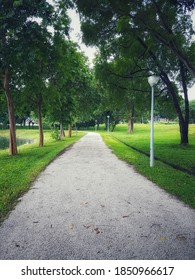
(113, 126)
(131, 121)
(186, 101)
(62, 132)
(182, 123)
(130, 124)
(10, 106)
(41, 136)
(184, 133)
(70, 130)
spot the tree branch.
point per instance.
(130, 76)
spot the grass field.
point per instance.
(17, 172)
(166, 141)
(167, 148)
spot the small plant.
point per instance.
(55, 134)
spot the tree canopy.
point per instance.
(152, 36)
(29, 53)
(42, 71)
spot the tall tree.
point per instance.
(34, 76)
(69, 81)
(158, 26)
(125, 85)
(16, 17)
(24, 33)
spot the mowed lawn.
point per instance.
(167, 147)
(166, 142)
(18, 172)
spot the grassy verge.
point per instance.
(173, 181)
(18, 172)
(166, 140)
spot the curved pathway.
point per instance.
(88, 204)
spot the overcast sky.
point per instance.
(77, 37)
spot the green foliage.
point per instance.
(55, 134)
(71, 84)
(164, 107)
(124, 88)
(18, 25)
(26, 46)
(192, 111)
(136, 37)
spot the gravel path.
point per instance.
(88, 204)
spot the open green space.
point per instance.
(167, 148)
(18, 172)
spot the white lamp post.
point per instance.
(108, 124)
(152, 80)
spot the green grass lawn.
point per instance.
(167, 148)
(166, 141)
(18, 172)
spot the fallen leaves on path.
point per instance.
(94, 228)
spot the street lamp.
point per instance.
(108, 124)
(152, 80)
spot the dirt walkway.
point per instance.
(87, 204)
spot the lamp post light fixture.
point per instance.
(152, 80)
(108, 124)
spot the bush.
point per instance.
(55, 134)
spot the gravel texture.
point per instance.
(88, 204)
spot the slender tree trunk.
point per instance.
(10, 106)
(186, 101)
(130, 124)
(113, 126)
(41, 136)
(131, 121)
(184, 133)
(62, 132)
(70, 130)
(182, 123)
